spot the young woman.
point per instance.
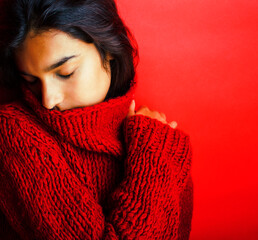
(77, 160)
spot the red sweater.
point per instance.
(92, 173)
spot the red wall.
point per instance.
(198, 64)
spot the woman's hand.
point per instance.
(144, 110)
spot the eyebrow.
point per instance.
(55, 65)
(59, 63)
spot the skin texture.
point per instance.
(88, 84)
(79, 80)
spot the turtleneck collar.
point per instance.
(94, 128)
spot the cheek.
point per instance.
(88, 77)
(90, 84)
(81, 88)
(85, 80)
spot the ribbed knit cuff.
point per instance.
(145, 131)
(167, 147)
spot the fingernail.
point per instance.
(173, 124)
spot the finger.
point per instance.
(173, 124)
(143, 107)
(163, 121)
(163, 116)
(131, 111)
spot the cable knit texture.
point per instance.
(92, 173)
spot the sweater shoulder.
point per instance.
(143, 133)
(20, 126)
(15, 110)
(15, 119)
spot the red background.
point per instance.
(198, 65)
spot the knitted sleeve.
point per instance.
(42, 198)
(146, 205)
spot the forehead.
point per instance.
(48, 42)
(45, 48)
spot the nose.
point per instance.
(52, 94)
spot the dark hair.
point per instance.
(93, 21)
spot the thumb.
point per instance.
(131, 111)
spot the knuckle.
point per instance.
(163, 115)
(144, 106)
(143, 109)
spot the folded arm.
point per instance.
(42, 197)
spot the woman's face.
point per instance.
(62, 71)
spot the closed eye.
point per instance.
(31, 81)
(65, 76)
